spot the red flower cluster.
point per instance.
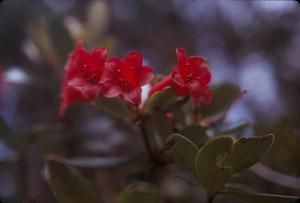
(190, 77)
(90, 74)
(125, 78)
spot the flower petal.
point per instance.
(161, 85)
(180, 90)
(182, 57)
(134, 96)
(90, 92)
(205, 77)
(207, 96)
(196, 61)
(112, 91)
(195, 89)
(145, 75)
(109, 74)
(99, 56)
(177, 77)
(69, 96)
(134, 58)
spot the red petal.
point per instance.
(109, 75)
(145, 75)
(69, 96)
(207, 97)
(205, 77)
(196, 61)
(161, 85)
(180, 90)
(177, 77)
(90, 92)
(195, 89)
(77, 58)
(112, 91)
(99, 56)
(134, 96)
(134, 58)
(181, 55)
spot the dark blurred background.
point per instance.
(252, 44)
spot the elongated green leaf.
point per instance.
(223, 95)
(114, 106)
(263, 198)
(195, 133)
(59, 37)
(97, 21)
(184, 153)
(209, 164)
(68, 185)
(140, 193)
(248, 151)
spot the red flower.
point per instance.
(82, 78)
(125, 78)
(190, 76)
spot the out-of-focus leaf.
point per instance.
(114, 106)
(97, 162)
(68, 185)
(261, 198)
(209, 164)
(236, 130)
(59, 38)
(184, 153)
(223, 95)
(39, 33)
(140, 193)
(97, 20)
(195, 133)
(248, 151)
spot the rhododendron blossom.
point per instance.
(190, 77)
(125, 78)
(82, 77)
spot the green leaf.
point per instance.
(140, 193)
(248, 151)
(160, 100)
(114, 106)
(262, 198)
(195, 133)
(68, 185)
(184, 153)
(222, 97)
(209, 164)
(235, 130)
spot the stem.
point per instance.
(22, 178)
(147, 142)
(195, 115)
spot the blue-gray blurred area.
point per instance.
(251, 44)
